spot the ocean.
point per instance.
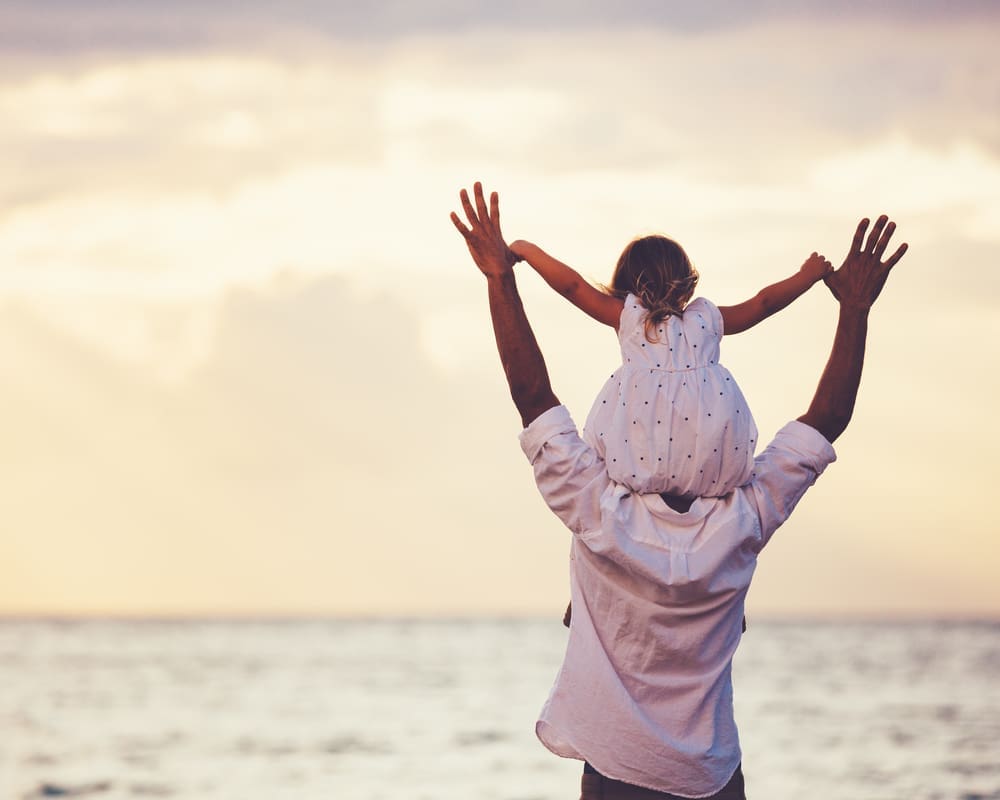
(435, 710)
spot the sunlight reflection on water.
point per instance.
(446, 709)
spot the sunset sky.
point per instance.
(246, 365)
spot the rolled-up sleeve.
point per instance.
(789, 465)
(570, 475)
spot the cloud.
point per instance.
(160, 164)
(750, 103)
(244, 352)
(155, 167)
(173, 125)
(318, 461)
(60, 27)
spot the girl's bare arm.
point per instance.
(570, 284)
(775, 297)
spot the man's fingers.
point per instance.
(458, 224)
(859, 236)
(495, 209)
(470, 212)
(891, 261)
(883, 240)
(477, 189)
(873, 237)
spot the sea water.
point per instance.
(363, 710)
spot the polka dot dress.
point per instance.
(671, 418)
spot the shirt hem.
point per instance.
(578, 757)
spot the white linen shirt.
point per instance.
(645, 691)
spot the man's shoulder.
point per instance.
(798, 439)
(789, 465)
(550, 423)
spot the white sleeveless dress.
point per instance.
(671, 418)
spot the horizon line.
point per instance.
(250, 617)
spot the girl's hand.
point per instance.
(816, 267)
(520, 248)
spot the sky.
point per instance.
(246, 365)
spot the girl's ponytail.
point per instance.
(658, 272)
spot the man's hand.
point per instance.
(522, 360)
(861, 277)
(483, 236)
(856, 285)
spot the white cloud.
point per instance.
(318, 460)
(916, 180)
(194, 172)
(269, 232)
(316, 453)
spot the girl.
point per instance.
(671, 419)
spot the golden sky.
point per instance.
(246, 363)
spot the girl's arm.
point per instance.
(775, 297)
(570, 284)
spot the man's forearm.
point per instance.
(520, 355)
(833, 404)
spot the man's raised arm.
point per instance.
(856, 285)
(519, 352)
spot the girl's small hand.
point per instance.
(520, 249)
(816, 267)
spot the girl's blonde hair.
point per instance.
(658, 272)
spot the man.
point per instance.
(658, 583)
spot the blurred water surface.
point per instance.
(364, 710)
